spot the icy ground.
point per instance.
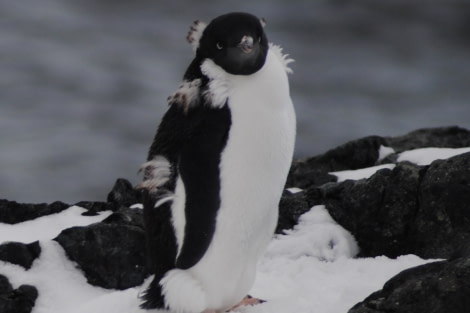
(308, 269)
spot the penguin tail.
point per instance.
(182, 292)
(152, 296)
(161, 248)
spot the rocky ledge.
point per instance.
(403, 209)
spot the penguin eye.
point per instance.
(219, 46)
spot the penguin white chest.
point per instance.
(253, 169)
(259, 151)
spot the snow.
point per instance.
(422, 156)
(310, 268)
(294, 190)
(60, 284)
(384, 152)
(360, 173)
(316, 235)
(426, 156)
(48, 227)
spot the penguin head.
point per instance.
(236, 42)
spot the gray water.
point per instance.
(83, 83)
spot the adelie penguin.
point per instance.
(217, 167)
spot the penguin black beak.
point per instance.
(246, 44)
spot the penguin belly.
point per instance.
(253, 169)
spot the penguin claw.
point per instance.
(248, 300)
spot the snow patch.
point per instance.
(294, 190)
(316, 235)
(60, 284)
(360, 173)
(384, 152)
(308, 269)
(309, 285)
(426, 156)
(49, 226)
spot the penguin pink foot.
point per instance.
(248, 300)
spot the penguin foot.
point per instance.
(248, 300)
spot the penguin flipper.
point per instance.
(190, 141)
(199, 169)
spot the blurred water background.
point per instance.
(83, 83)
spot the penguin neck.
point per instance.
(194, 71)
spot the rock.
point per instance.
(20, 253)
(5, 286)
(364, 152)
(443, 137)
(111, 253)
(124, 194)
(291, 207)
(441, 287)
(125, 216)
(93, 207)
(12, 212)
(19, 300)
(411, 209)
(441, 225)
(352, 155)
(377, 211)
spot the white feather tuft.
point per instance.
(187, 94)
(195, 34)
(262, 21)
(156, 173)
(219, 85)
(182, 292)
(284, 58)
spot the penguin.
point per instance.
(216, 169)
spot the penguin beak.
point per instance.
(246, 44)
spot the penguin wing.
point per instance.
(191, 137)
(198, 167)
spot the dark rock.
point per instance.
(5, 285)
(111, 255)
(352, 155)
(364, 152)
(12, 212)
(124, 194)
(126, 216)
(443, 137)
(19, 300)
(20, 253)
(410, 209)
(441, 227)
(441, 287)
(93, 207)
(291, 207)
(377, 211)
